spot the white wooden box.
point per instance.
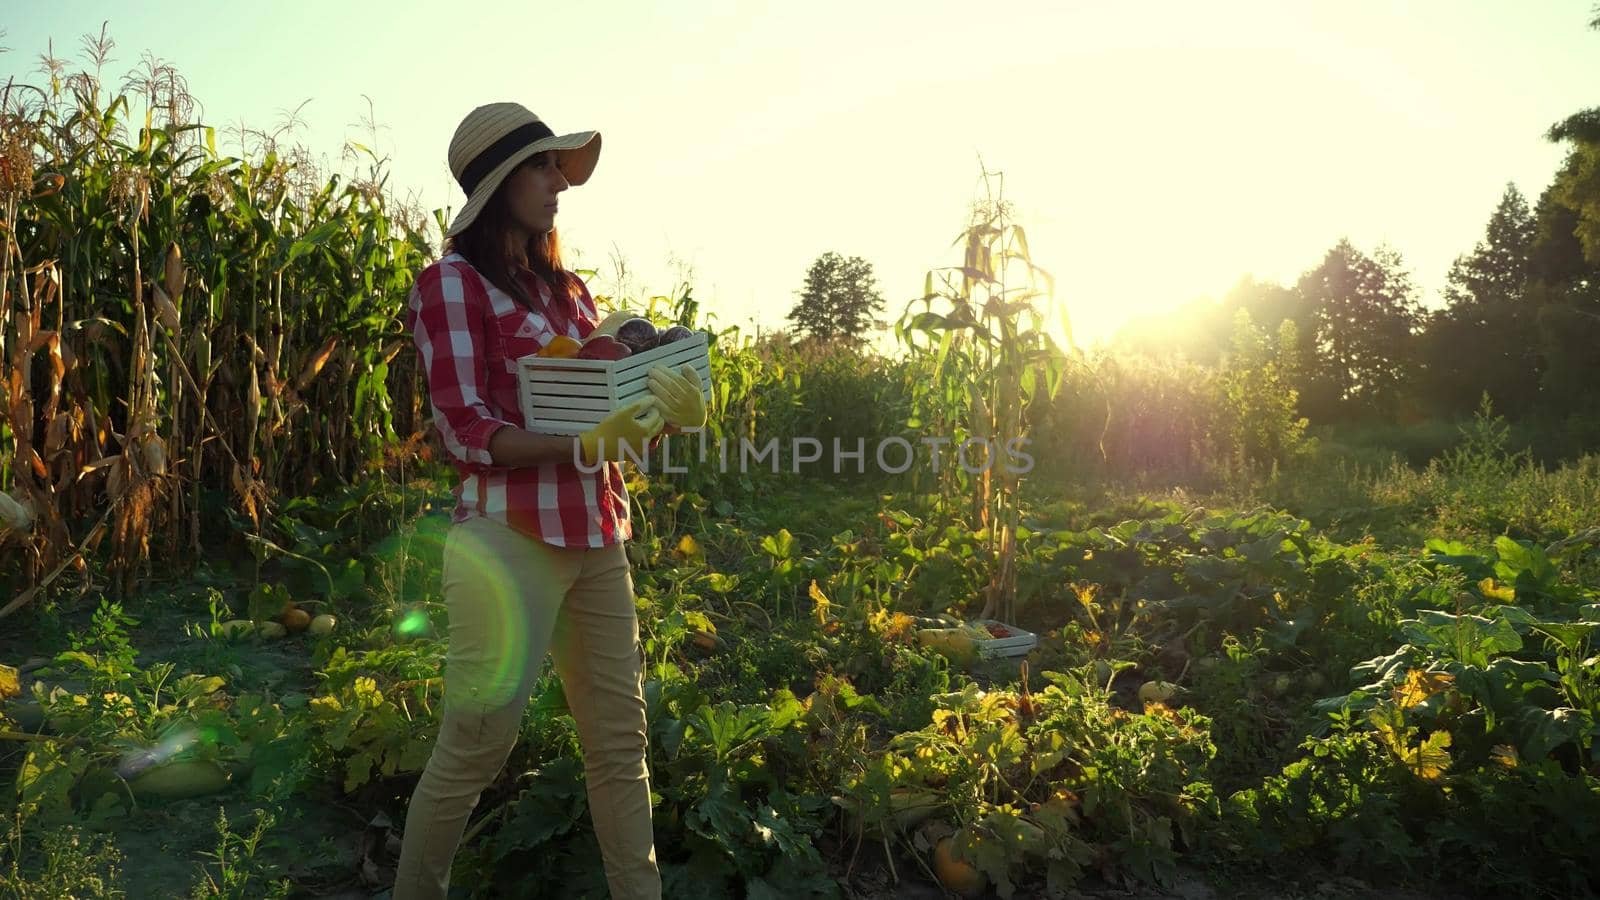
(1018, 643)
(568, 396)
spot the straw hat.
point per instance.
(494, 139)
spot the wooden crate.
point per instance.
(1018, 644)
(568, 396)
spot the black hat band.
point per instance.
(500, 151)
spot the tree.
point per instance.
(1567, 267)
(840, 300)
(1569, 329)
(1363, 311)
(1497, 268)
(1557, 256)
(1577, 186)
(1486, 340)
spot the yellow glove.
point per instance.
(680, 395)
(632, 426)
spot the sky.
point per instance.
(1155, 152)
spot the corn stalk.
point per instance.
(178, 325)
(987, 357)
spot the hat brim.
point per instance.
(576, 156)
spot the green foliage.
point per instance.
(1132, 420)
(1336, 802)
(1256, 406)
(372, 733)
(233, 870)
(66, 861)
(1578, 184)
(104, 651)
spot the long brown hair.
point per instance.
(486, 244)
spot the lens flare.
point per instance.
(475, 565)
(435, 553)
(137, 762)
(413, 624)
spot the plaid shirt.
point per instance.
(469, 335)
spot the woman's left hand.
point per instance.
(679, 395)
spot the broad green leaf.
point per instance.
(1543, 730)
(1524, 565)
(780, 545)
(1432, 757)
(721, 582)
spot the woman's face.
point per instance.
(531, 194)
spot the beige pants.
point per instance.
(510, 598)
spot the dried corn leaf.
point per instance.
(25, 330)
(99, 464)
(117, 480)
(58, 435)
(42, 339)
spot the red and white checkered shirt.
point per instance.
(469, 336)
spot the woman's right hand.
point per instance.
(631, 427)
(680, 395)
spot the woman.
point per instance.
(534, 560)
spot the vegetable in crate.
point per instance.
(604, 347)
(638, 334)
(675, 333)
(560, 347)
(611, 323)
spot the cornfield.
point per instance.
(186, 335)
